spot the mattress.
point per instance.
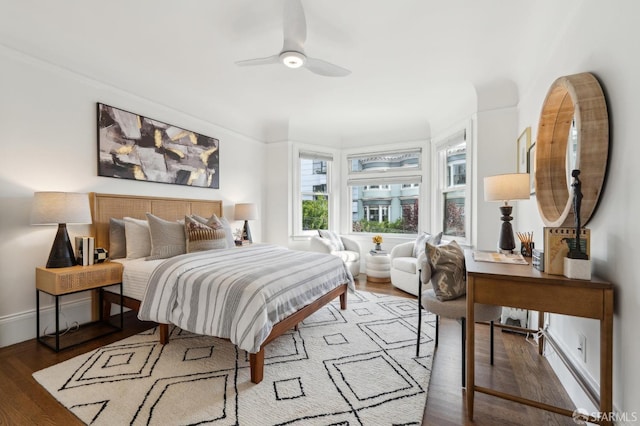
(136, 276)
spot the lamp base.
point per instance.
(61, 255)
(507, 242)
(246, 232)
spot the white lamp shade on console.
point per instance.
(506, 187)
(514, 186)
(61, 208)
(246, 212)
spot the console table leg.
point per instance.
(606, 358)
(471, 345)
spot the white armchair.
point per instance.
(405, 268)
(350, 255)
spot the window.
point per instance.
(452, 190)
(314, 193)
(385, 191)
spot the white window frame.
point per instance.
(439, 180)
(333, 193)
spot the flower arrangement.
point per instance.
(377, 239)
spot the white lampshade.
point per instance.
(246, 211)
(60, 207)
(513, 186)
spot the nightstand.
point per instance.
(62, 281)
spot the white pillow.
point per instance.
(228, 233)
(138, 238)
(423, 239)
(334, 239)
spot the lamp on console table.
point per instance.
(50, 208)
(246, 212)
(506, 187)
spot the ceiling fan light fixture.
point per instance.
(293, 59)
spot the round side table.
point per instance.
(378, 268)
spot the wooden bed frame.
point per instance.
(107, 206)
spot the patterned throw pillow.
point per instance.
(447, 270)
(201, 236)
(425, 237)
(334, 239)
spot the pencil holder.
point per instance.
(526, 249)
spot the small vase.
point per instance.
(378, 247)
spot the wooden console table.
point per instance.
(522, 286)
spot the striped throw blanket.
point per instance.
(239, 293)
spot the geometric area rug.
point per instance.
(351, 367)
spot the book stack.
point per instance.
(84, 250)
(377, 252)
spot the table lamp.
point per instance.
(246, 212)
(50, 208)
(506, 187)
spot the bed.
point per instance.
(304, 299)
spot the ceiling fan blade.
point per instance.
(275, 59)
(295, 26)
(327, 69)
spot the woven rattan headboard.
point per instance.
(106, 206)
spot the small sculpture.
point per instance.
(576, 252)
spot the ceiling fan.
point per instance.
(292, 54)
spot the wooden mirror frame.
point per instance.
(576, 97)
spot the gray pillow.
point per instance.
(425, 237)
(167, 238)
(117, 239)
(333, 238)
(138, 238)
(203, 237)
(447, 270)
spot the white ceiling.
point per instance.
(413, 62)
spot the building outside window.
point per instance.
(452, 186)
(314, 194)
(383, 200)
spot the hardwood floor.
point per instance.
(517, 369)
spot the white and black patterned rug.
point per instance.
(352, 367)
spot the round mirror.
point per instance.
(573, 123)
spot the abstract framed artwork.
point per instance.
(131, 146)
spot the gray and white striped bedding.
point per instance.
(239, 293)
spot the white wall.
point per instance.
(48, 122)
(602, 37)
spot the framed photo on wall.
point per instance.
(132, 146)
(531, 169)
(524, 142)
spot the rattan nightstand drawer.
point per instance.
(58, 281)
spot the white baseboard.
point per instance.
(577, 394)
(19, 327)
